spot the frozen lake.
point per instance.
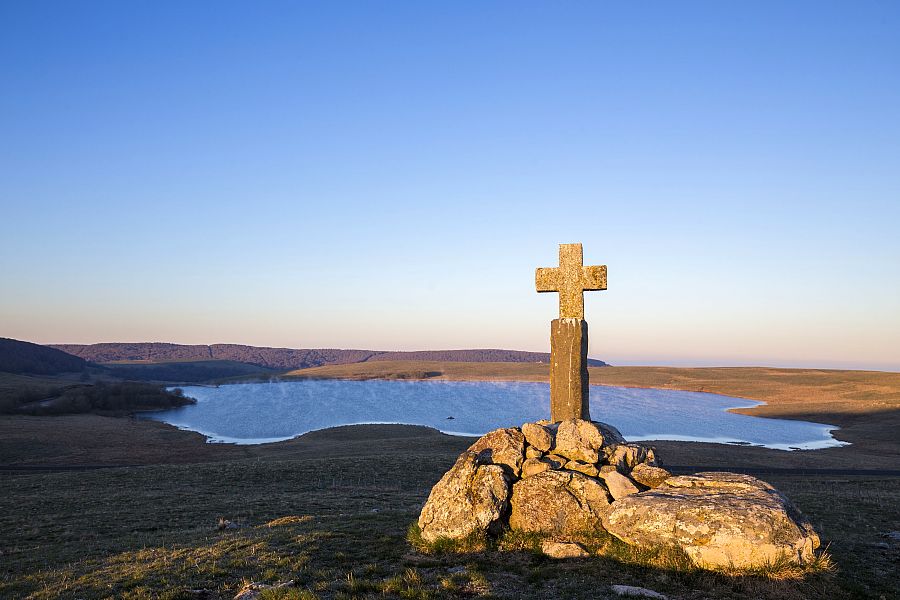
(257, 413)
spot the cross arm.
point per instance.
(594, 278)
(547, 279)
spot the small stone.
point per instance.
(636, 592)
(619, 486)
(577, 439)
(563, 549)
(649, 476)
(589, 470)
(505, 447)
(455, 570)
(538, 436)
(533, 466)
(252, 591)
(532, 452)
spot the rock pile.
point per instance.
(558, 479)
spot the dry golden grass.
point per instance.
(150, 532)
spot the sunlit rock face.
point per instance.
(563, 479)
(553, 487)
(469, 498)
(718, 519)
(557, 502)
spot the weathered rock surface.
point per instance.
(468, 498)
(563, 549)
(533, 466)
(649, 476)
(718, 519)
(627, 456)
(557, 502)
(619, 486)
(502, 447)
(587, 469)
(580, 440)
(538, 436)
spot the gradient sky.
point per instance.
(388, 175)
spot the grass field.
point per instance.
(330, 510)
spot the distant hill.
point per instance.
(284, 358)
(34, 359)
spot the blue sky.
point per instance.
(388, 175)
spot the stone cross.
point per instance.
(569, 383)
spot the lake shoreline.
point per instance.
(256, 413)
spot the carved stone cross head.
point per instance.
(571, 278)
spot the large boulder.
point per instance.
(469, 498)
(557, 502)
(718, 519)
(505, 447)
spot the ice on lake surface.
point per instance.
(256, 413)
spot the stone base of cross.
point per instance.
(569, 380)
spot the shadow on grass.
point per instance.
(615, 562)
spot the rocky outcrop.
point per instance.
(519, 477)
(586, 476)
(469, 498)
(718, 519)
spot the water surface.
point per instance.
(256, 413)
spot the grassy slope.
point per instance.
(149, 532)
